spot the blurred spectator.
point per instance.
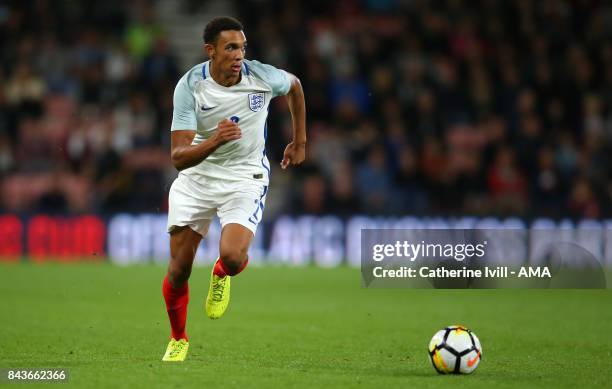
(507, 184)
(6, 155)
(141, 32)
(314, 195)
(343, 200)
(24, 91)
(410, 196)
(374, 181)
(582, 202)
(546, 184)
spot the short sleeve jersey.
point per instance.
(200, 104)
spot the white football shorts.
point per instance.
(194, 202)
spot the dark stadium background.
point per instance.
(422, 108)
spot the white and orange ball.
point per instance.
(455, 350)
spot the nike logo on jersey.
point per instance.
(204, 108)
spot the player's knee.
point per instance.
(178, 273)
(233, 258)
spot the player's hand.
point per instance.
(294, 154)
(227, 131)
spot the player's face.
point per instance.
(228, 52)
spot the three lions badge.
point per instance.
(256, 101)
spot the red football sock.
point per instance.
(220, 270)
(176, 305)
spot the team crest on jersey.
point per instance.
(256, 101)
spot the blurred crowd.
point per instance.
(85, 106)
(414, 107)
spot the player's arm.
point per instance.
(295, 152)
(184, 123)
(185, 155)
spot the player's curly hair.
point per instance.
(218, 24)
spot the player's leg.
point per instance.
(233, 258)
(233, 249)
(183, 246)
(240, 212)
(189, 215)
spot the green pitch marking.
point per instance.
(294, 327)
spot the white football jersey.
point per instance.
(200, 104)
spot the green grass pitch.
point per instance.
(294, 327)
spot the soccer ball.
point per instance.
(455, 350)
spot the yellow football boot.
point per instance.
(176, 351)
(218, 296)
